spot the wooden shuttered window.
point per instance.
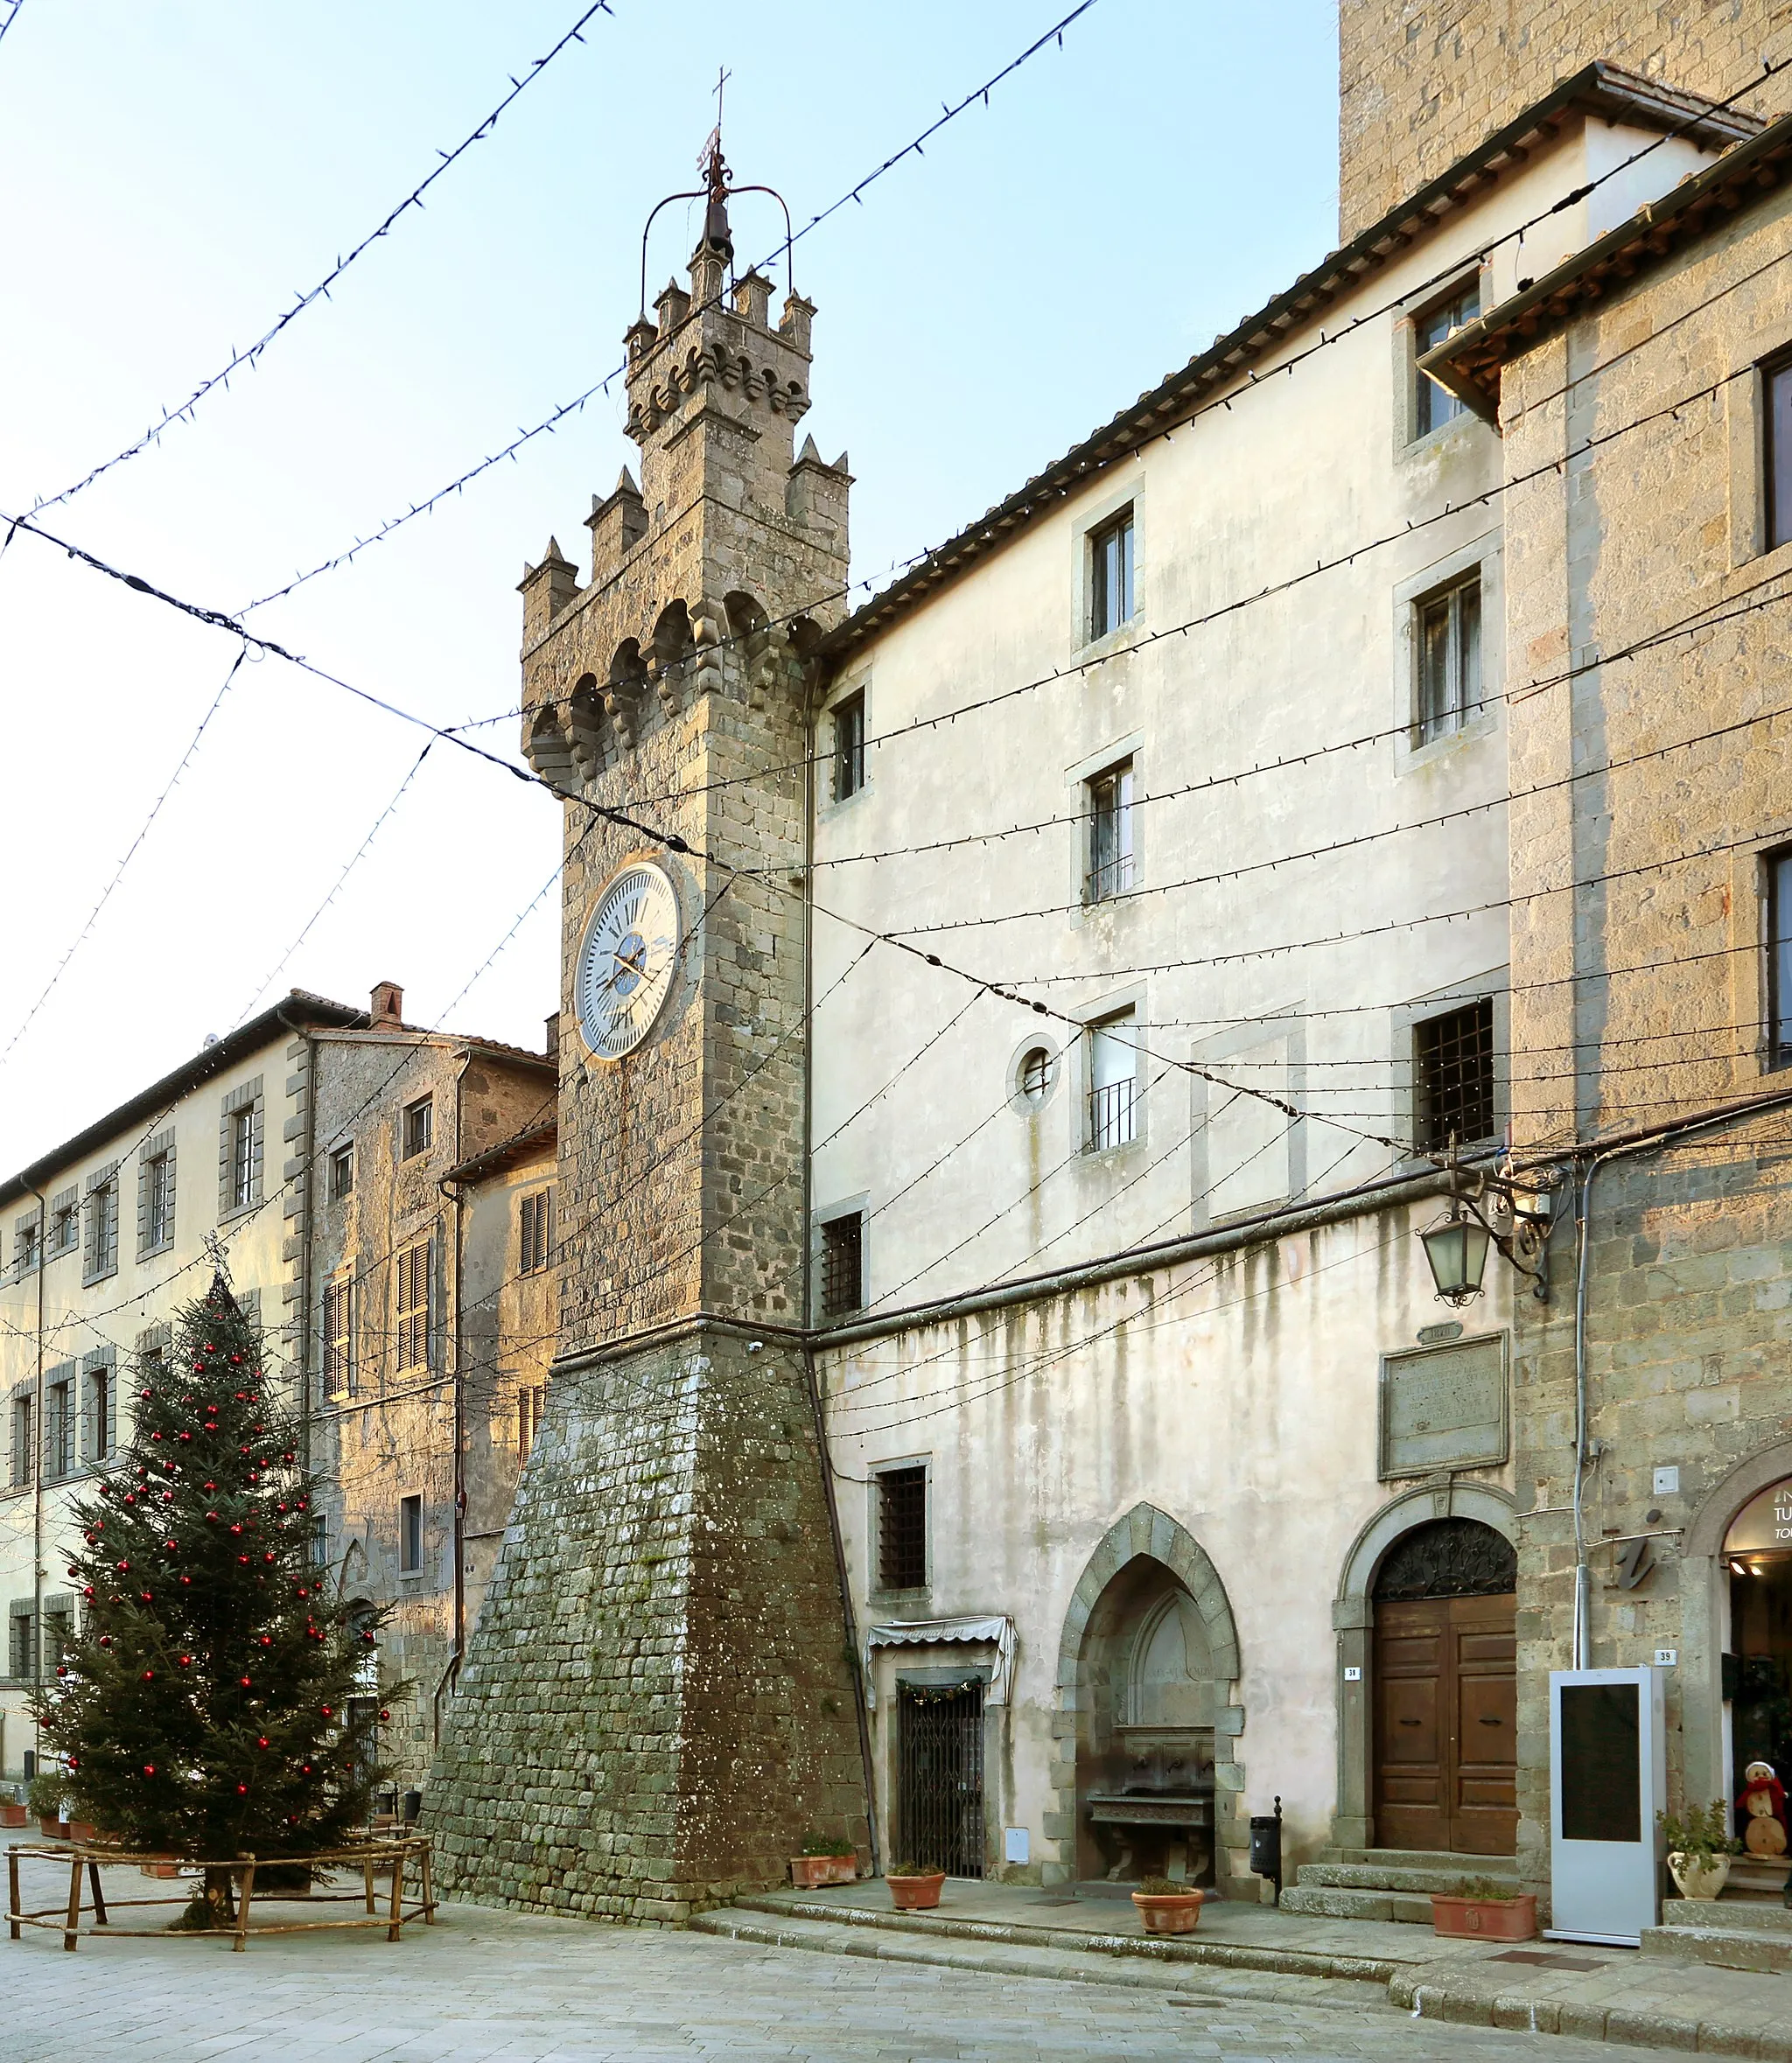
(413, 1310)
(339, 1338)
(537, 1231)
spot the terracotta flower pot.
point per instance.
(916, 1894)
(1699, 1876)
(1169, 1912)
(1485, 1919)
(14, 1815)
(79, 1830)
(166, 1868)
(808, 1871)
(50, 1827)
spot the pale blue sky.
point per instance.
(178, 168)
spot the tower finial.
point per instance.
(714, 168)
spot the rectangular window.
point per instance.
(103, 1228)
(843, 1265)
(849, 746)
(1447, 634)
(1110, 575)
(410, 1535)
(419, 1118)
(19, 1658)
(1778, 469)
(21, 1442)
(530, 1397)
(58, 1424)
(342, 1173)
(64, 1223)
(320, 1543)
(1453, 1062)
(1109, 834)
(1433, 406)
(27, 1233)
(100, 1407)
(158, 1202)
(902, 1529)
(1778, 869)
(242, 1158)
(1113, 1083)
(413, 1313)
(536, 1231)
(59, 1635)
(339, 1338)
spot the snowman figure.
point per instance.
(1764, 1800)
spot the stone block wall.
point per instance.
(659, 1708)
(1420, 82)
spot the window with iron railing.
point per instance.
(902, 1527)
(1109, 835)
(1113, 1083)
(342, 1173)
(419, 1127)
(843, 1265)
(1454, 1064)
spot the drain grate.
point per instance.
(1551, 1962)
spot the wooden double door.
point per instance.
(1447, 1724)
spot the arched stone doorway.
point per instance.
(1426, 1622)
(1146, 1666)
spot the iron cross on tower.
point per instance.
(709, 162)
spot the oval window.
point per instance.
(1036, 1075)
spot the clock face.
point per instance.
(628, 960)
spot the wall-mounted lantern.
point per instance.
(1517, 1219)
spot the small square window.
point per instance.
(419, 1119)
(1433, 406)
(536, 1231)
(410, 1535)
(1113, 1083)
(902, 1529)
(1777, 867)
(1777, 381)
(1109, 835)
(843, 1265)
(342, 1173)
(1447, 630)
(849, 746)
(1110, 575)
(1453, 1059)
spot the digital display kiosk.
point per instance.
(1608, 1779)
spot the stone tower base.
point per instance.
(656, 1707)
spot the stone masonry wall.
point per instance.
(1420, 82)
(659, 1708)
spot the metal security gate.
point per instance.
(939, 1789)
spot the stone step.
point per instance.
(1747, 1874)
(1444, 1876)
(1725, 1947)
(1327, 1902)
(1184, 1973)
(1753, 1917)
(1500, 1867)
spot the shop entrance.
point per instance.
(1446, 1691)
(1758, 1553)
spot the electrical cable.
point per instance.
(251, 357)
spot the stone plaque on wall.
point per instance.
(1444, 1406)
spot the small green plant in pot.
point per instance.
(1699, 1847)
(1485, 1909)
(44, 1796)
(826, 1859)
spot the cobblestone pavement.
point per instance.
(512, 1988)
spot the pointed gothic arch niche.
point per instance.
(745, 615)
(1147, 1666)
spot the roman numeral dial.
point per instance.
(628, 960)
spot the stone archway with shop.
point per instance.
(1149, 1588)
(1354, 1619)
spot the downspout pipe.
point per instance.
(308, 1203)
(452, 1192)
(1581, 1647)
(34, 1461)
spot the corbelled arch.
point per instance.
(1147, 1534)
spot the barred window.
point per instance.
(902, 1527)
(341, 1172)
(1113, 1083)
(537, 1231)
(1110, 575)
(339, 1338)
(59, 1635)
(419, 1126)
(531, 1398)
(1453, 1055)
(64, 1228)
(843, 1265)
(1109, 834)
(20, 1657)
(413, 1307)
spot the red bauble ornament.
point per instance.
(269, 1555)
(124, 1564)
(105, 1638)
(245, 1683)
(146, 1597)
(326, 1711)
(171, 1545)
(185, 1661)
(144, 1393)
(385, 1718)
(61, 1668)
(211, 1517)
(236, 1526)
(88, 1591)
(186, 1436)
(149, 1769)
(262, 1742)
(211, 1486)
(155, 1436)
(73, 1762)
(148, 1675)
(243, 1790)
(186, 1579)
(266, 1639)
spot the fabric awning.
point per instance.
(997, 1630)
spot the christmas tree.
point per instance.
(215, 1702)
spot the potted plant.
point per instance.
(1167, 1907)
(12, 1811)
(824, 1860)
(1484, 1910)
(44, 1797)
(1699, 1848)
(912, 1888)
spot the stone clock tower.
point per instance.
(657, 1705)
